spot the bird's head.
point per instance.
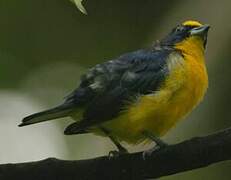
(192, 31)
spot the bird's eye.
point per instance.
(179, 29)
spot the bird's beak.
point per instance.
(200, 31)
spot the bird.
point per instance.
(138, 96)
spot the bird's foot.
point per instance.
(115, 154)
(160, 144)
(156, 148)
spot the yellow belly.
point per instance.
(158, 112)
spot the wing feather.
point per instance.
(113, 84)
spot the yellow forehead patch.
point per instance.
(191, 23)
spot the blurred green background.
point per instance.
(46, 45)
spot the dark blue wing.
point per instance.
(107, 88)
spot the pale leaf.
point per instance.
(79, 5)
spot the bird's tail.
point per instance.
(56, 112)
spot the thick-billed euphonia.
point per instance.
(140, 95)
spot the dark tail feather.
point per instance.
(57, 112)
(76, 128)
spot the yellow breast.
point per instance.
(183, 89)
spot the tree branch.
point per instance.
(188, 155)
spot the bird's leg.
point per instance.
(121, 149)
(159, 143)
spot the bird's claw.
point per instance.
(115, 154)
(156, 148)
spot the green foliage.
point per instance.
(79, 5)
